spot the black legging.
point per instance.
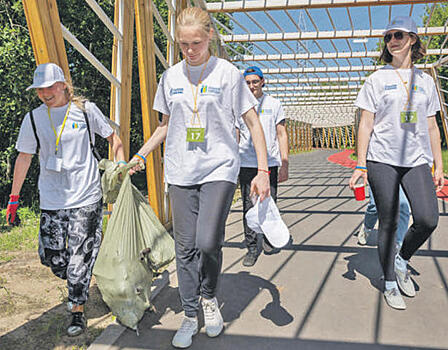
(417, 183)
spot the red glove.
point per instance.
(11, 210)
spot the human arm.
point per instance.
(364, 131)
(158, 136)
(282, 136)
(260, 183)
(21, 167)
(434, 138)
(117, 148)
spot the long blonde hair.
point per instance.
(78, 100)
(193, 16)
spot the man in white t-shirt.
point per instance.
(272, 119)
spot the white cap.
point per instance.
(405, 24)
(264, 217)
(45, 75)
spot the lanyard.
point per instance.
(405, 87)
(195, 93)
(58, 137)
(260, 105)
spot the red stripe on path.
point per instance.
(343, 158)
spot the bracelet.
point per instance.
(361, 168)
(122, 162)
(265, 171)
(141, 157)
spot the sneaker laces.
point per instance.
(187, 326)
(406, 276)
(395, 292)
(209, 310)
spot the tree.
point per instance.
(17, 64)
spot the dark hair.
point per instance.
(251, 70)
(417, 50)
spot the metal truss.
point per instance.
(317, 53)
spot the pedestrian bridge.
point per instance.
(321, 291)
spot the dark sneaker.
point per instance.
(268, 248)
(78, 324)
(250, 259)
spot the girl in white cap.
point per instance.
(398, 142)
(200, 99)
(62, 131)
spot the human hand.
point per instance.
(140, 160)
(438, 179)
(355, 176)
(260, 186)
(11, 209)
(283, 172)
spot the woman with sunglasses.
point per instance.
(398, 142)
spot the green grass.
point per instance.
(18, 238)
(445, 160)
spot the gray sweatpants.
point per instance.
(199, 218)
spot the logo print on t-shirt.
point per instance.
(76, 125)
(210, 90)
(391, 87)
(266, 111)
(176, 91)
(417, 88)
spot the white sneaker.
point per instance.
(362, 235)
(405, 283)
(394, 299)
(183, 337)
(212, 317)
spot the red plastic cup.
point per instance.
(360, 192)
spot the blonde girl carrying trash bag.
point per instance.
(61, 130)
(200, 99)
(398, 142)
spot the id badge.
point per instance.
(408, 117)
(54, 163)
(195, 134)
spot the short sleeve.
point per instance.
(238, 122)
(243, 99)
(433, 100)
(26, 142)
(280, 114)
(99, 123)
(160, 100)
(366, 97)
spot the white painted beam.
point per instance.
(322, 55)
(297, 70)
(266, 5)
(315, 80)
(323, 35)
(270, 89)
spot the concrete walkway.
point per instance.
(323, 290)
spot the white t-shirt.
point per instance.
(271, 113)
(223, 95)
(78, 182)
(393, 142)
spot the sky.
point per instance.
(359, 16)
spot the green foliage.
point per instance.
(22, 237)
(16, 68)
(438, 19)
(17, 64)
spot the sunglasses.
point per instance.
(396, 35)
